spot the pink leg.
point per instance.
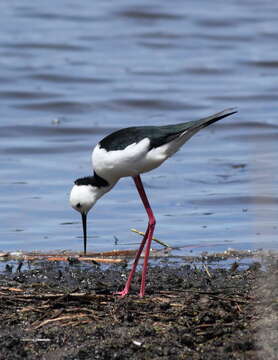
(133, 269)
(151, 226)
(147, 239)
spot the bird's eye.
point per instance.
(78, 206)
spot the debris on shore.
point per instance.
(67, 310)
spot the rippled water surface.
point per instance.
(71, 72)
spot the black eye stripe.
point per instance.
(78, 205)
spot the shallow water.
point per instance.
(72, 72)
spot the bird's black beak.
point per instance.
(84, 223)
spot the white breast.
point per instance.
(115, 164)
(133, 160)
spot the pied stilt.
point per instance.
(131, 152)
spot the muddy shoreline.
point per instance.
(57, 310)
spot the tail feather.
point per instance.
(213, 118)
(187, 130)
(181, 133)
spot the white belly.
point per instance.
(131, 161)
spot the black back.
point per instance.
(158, 135)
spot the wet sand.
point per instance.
(68, 311)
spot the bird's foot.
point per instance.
(122, 293)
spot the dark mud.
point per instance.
(58, 311)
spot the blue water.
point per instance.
(71, 72)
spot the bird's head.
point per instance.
(83, 197)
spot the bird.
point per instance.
(131, 152)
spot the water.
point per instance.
(71, 72)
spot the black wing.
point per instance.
(158, 135)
